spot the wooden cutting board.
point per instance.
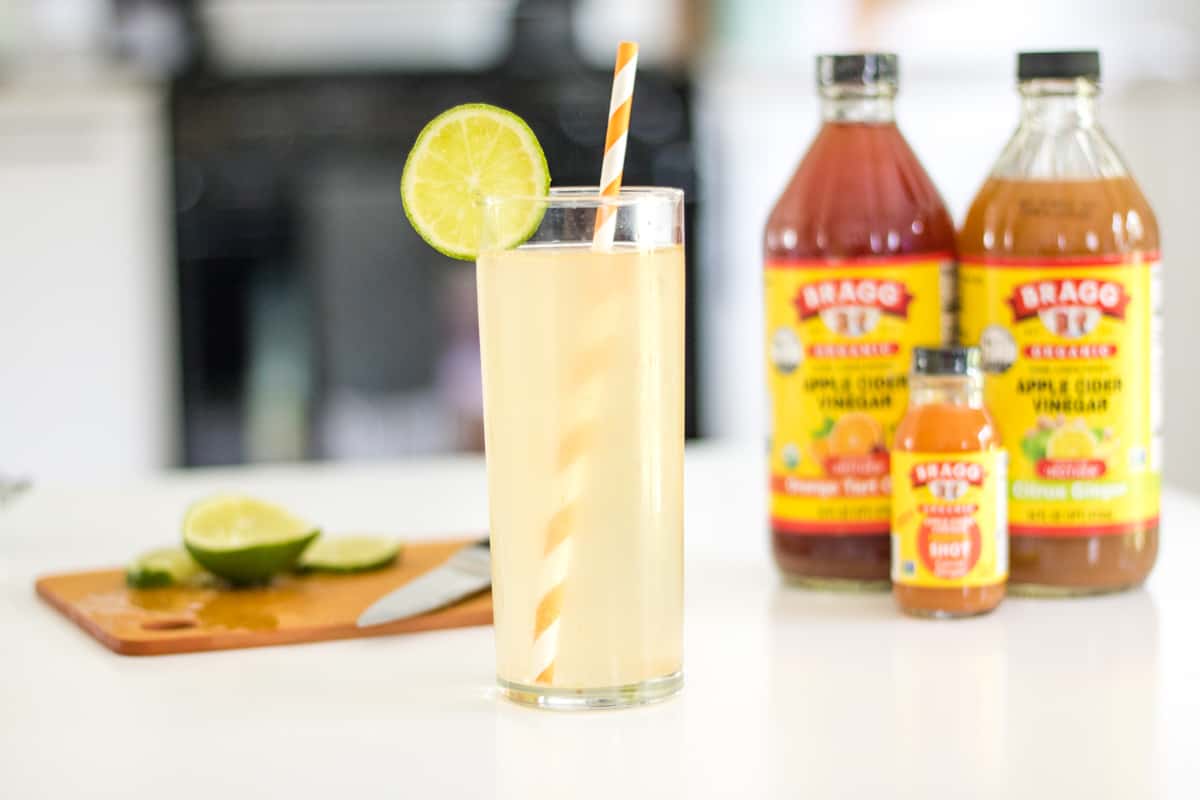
(292, 610)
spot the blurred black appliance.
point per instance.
(314, 322)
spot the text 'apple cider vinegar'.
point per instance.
(859, 269)
(1061, 288)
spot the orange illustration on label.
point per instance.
(948, 519)
(839, 340)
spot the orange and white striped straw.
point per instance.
(619, 108)
(586, 381)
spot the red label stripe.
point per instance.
(811, 528)
(1068, 531)
(1067, 352)
(1051, 262)
(862, 261)
(852, 349)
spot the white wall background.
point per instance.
(87, 348)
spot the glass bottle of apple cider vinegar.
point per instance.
(1061, 288)
(859, 268)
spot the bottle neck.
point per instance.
(1059, 137)
(1052, 105)
(954, 390)
(873, 105)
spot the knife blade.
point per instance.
(467, 572)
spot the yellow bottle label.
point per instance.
(1072, 351)
(948, 519)
(839, 344)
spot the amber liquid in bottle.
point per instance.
(1040, 202)
(1057, 218)
(859, 192)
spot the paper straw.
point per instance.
(619, 108)
(586, 381)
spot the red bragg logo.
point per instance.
(1036, 297)
(966, 471)
(890, 297)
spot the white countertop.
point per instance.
(789, 693)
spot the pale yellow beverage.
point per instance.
(583, 381)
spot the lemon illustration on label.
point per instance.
(1069, 442)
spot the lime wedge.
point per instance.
(168, 566)
(461, 156)
(243, 540)
(350, 553)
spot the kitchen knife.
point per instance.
(467, 572)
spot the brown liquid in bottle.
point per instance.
(1062, 219)
(859, 192)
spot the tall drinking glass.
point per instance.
(582, 348)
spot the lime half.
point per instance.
(243, 540)
(463, 155)
(350, 553)
(169, 566)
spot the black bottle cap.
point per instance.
(1066, 64)
(946, 361)
(862, 69)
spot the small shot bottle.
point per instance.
(949, 491)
